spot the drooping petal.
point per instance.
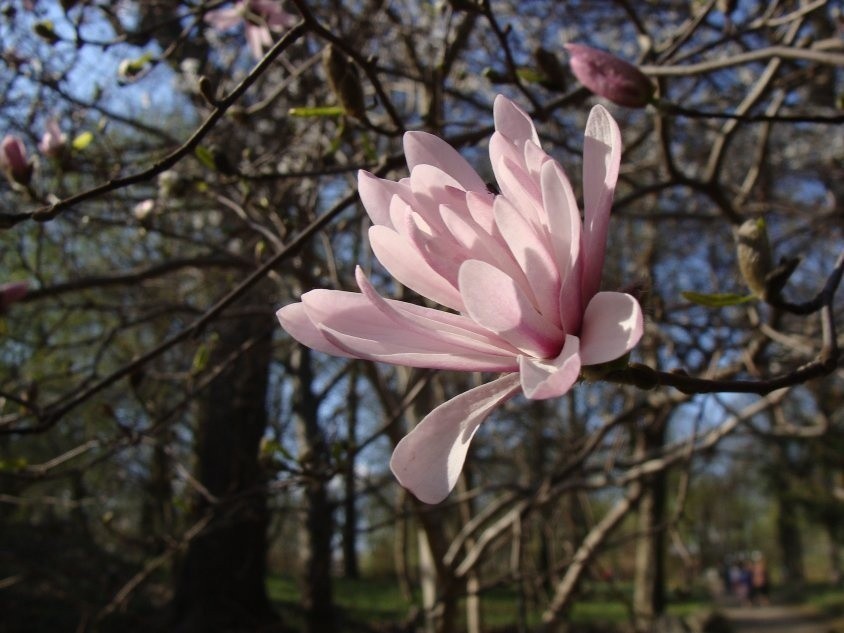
(612, 325)
(295, 321)
(601, 159)
(421, 148)
(495, 301)
(352, 323)
(543, 379)
(428, 460)
(401, 259)
(455, 329)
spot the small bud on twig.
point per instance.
(345, 81)
(754, 255)
(610, 77)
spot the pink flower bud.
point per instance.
(54, 140)
(12, 292)
(610, 77)
(13, 160)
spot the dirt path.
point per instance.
(782, 619)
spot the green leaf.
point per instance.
(82, 141)
(317, 111)
(529, 75)
(718, 299)
(204, 155)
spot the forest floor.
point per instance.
(783, 619)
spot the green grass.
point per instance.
(377, 603)
(826, 598)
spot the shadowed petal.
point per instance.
(429, 459)
(601, 159)
(564, 228)
(612, 325)
(401, 259)
(543, 379)
(531, 253)
(495, 301)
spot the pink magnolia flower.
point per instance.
(610, 77)
(519, 270)
(12, 292)
(260, 17)
(13, 160)
(54, 140)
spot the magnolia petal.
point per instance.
(453, 329)
(479, 205)
(513, 122)
(612, 325)
(257, 39)
(432, 187)
(542, 379)
(352, 323)
(531, 253)
(401, 259)
(481, 245)
(564, 228)
(518, 187)
(428, 460)
(601, 160)
(294, 319)
(495, 301)
(421, 148)
(377, 194)
(535, 157)
(224, 19)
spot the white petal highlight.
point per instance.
(428, 460)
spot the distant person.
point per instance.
(759, 572)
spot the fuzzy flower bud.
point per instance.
(54, 140)
(13, 160)
(754, 255)
(610, 77)
(10, 293)
(345, 81)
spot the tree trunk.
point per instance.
(790, 541)
(351, 569)
(221, 584)
(649, 575)
(317, 528)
